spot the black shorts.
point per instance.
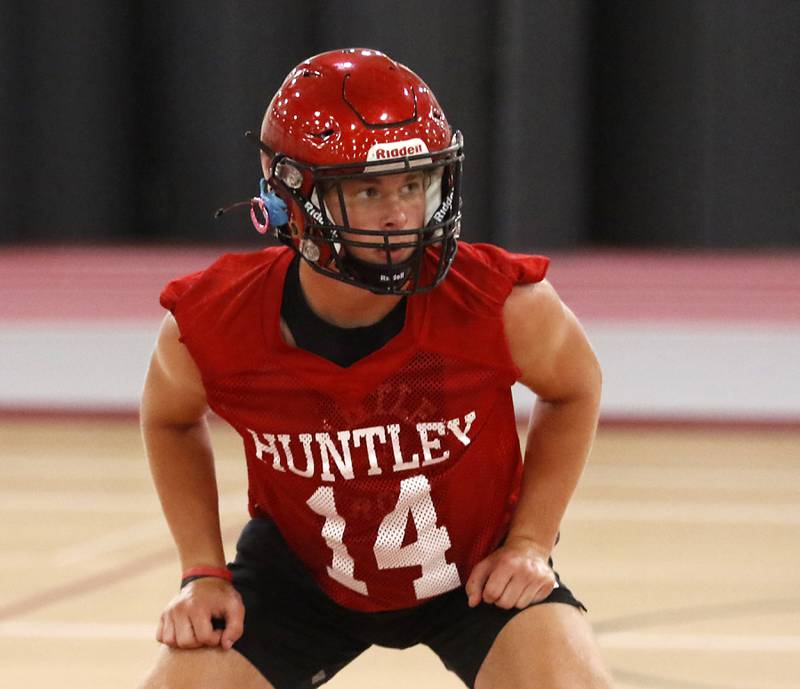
(299, 638)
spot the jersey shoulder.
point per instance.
(483, 275)
(219, 310)
(229, 273)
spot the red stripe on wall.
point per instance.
(73, 284)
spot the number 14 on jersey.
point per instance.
(428, 551)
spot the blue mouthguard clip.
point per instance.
(276, 208)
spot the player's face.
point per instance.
(393, 202)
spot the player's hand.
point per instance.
(515, 575)
(187, 620)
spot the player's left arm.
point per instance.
(556, 361)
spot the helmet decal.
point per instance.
(397, 149)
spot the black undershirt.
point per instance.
(342, 346)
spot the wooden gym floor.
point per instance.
(682, 543)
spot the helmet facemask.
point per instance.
(328, 246)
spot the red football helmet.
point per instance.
(355, 114)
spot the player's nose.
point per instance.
(394, 215)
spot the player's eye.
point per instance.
(367, 193)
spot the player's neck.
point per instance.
(340, 304)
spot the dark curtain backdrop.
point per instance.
(649, 123)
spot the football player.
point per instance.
(367, 364)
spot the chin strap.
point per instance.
(379, 276)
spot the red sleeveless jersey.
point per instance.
(392, 478)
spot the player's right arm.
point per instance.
(175, 432)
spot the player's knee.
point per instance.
(589, 680)
(590, 674)
(587, 677)
(203, 668)
(172, 671)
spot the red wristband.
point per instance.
(205, 571)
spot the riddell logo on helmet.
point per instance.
(314, 212)
(398, 149)
(382, 154)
